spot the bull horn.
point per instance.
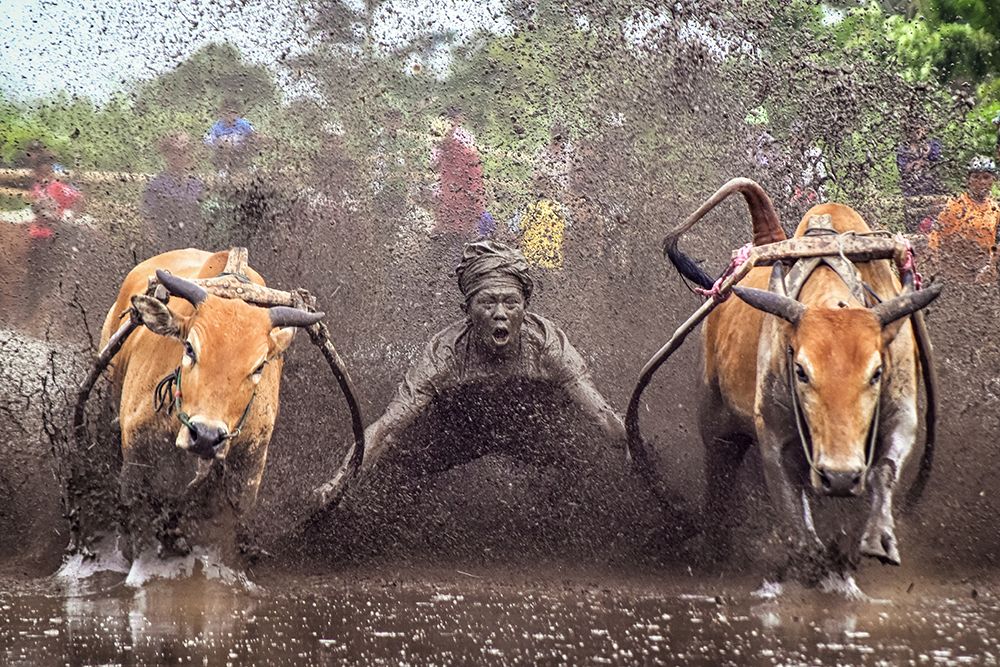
(906, 304)
(179, 287)
(780, 305)
(283, 316)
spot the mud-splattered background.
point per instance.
(625, 114)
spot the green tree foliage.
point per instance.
(654, 97)
(121, 134)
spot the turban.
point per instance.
(488, 261)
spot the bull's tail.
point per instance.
(929, 374)
(763, 217)
(686, 266)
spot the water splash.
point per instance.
(108, 557)
(205, 561)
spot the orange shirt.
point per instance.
(963, 216)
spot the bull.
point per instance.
(192, 468)
(821, 368)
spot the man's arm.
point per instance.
(570, 371)
(592, 403)
(412, 396)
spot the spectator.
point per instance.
(971, 220)
(543, 224)
(231, 137)
(52, 199)
(461, 193)
(766, 154)
(996, 128)
(172, 200)
(807, 186)
(917, 159)
(52, 202)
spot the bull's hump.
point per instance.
(843, 218)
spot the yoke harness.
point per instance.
(168, 394)
(860, 290)
(169, 389)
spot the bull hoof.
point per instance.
(881, 545)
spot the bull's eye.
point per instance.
(257, 372)
(801, 374)
(189, 357)
(876, 376)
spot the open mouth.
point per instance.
(501, 335)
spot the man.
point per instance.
(499, 343)
(50, 239)
(918, 159)
(461, 197)
(172, 200)
(970, 219)
(544, 222)
(51, 197)
(231, 138)
(231, 128)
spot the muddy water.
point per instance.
(497, 618)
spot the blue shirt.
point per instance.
(236, 132)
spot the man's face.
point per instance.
(42, 170)
(497, 314)
(980, 184)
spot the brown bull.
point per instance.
(192, 467)
(824, 373)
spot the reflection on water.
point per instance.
(309, 620)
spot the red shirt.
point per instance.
(65, 196)
(462, 197)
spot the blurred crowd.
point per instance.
(432, 194)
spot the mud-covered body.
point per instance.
(748, 385)
(163, 508)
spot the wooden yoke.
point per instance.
(849, 246)
(854, 247)
(232, 283)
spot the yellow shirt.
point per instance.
(964, 217)
(542, 229)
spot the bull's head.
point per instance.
(838, 360)
(227, 344)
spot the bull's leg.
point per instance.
(879, 537)
(137, 515)
(808, 559)
(723, 456)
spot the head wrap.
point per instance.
(486, 260)
(982, 163)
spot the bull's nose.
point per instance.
(840, 483)
(206, 439)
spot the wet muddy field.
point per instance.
(496, 617)
(561, 560)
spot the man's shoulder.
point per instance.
(444, 342)
(545, 333)
(558, 358)
(540, 323)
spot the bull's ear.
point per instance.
(280, 340)
(892, 314)
(285, 320)
(784, 307)
(156, 316)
